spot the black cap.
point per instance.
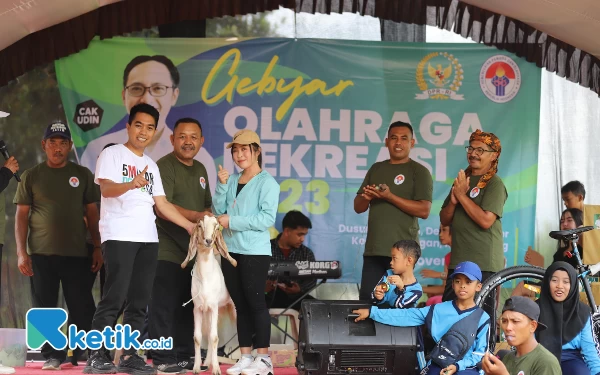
(57, 129)
(526, 307)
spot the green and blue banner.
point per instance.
(322, 108)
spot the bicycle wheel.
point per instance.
(527, 274)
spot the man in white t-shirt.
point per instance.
(130, 185)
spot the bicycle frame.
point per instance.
(584, 271)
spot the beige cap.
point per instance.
(244, 137)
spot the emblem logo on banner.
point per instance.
(500, 78)
(444, 77)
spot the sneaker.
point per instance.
(260, 366)
(6, 369)
(189, 365)
(172, 368)
(99, 363)
(241, 364)
(135, 365)
(51, 364)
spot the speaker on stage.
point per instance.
(332, 343)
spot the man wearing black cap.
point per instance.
(519, 322)
(50, 233)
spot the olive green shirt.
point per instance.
(187, 187)
(470, 241)
(387, 223)
(57, 197)
(537, 362)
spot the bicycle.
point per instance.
(537, 274)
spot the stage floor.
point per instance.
(35, 368)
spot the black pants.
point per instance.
(49, 272)
(374, 267)
(279, 299)
(246, 285)
(489, 303)
(167, 317)
(130, 268)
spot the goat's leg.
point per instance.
(213, 339)
(197, 339)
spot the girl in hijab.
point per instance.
(569, 335)
(571, 218)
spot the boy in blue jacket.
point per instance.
(399, 287)
(466, 281)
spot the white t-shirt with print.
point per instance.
(128, 217)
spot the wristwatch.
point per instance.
(443, 275)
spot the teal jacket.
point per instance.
(251, 213)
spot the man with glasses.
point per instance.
(152, 80)
(474, 208)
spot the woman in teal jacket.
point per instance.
(247, 204)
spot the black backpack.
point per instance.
(455, 343)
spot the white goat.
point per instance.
(208, 288)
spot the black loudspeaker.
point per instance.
(330, 342)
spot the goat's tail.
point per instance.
(231, 311)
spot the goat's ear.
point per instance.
(193, 246)
(222, 247)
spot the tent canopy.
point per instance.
(555, 34)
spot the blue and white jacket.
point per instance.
(399, 298)
(251, 213)
(589, 348)
(444, 316)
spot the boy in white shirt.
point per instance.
(130, 185)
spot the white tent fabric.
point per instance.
(575, 22)
(21, 18)
(572, 21)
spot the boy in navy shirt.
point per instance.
(466, 281)
(399, 287)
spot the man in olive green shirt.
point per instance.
(520, 322)
(474, 208)
(396, 192)
(50, 233)
(185, 182)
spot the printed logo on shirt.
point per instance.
(399, 180)
(203, 182)
(521, 373)
(130, 171)
(74, 181)
(474, 192)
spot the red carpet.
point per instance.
(35, 368)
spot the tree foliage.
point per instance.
(251, 25)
